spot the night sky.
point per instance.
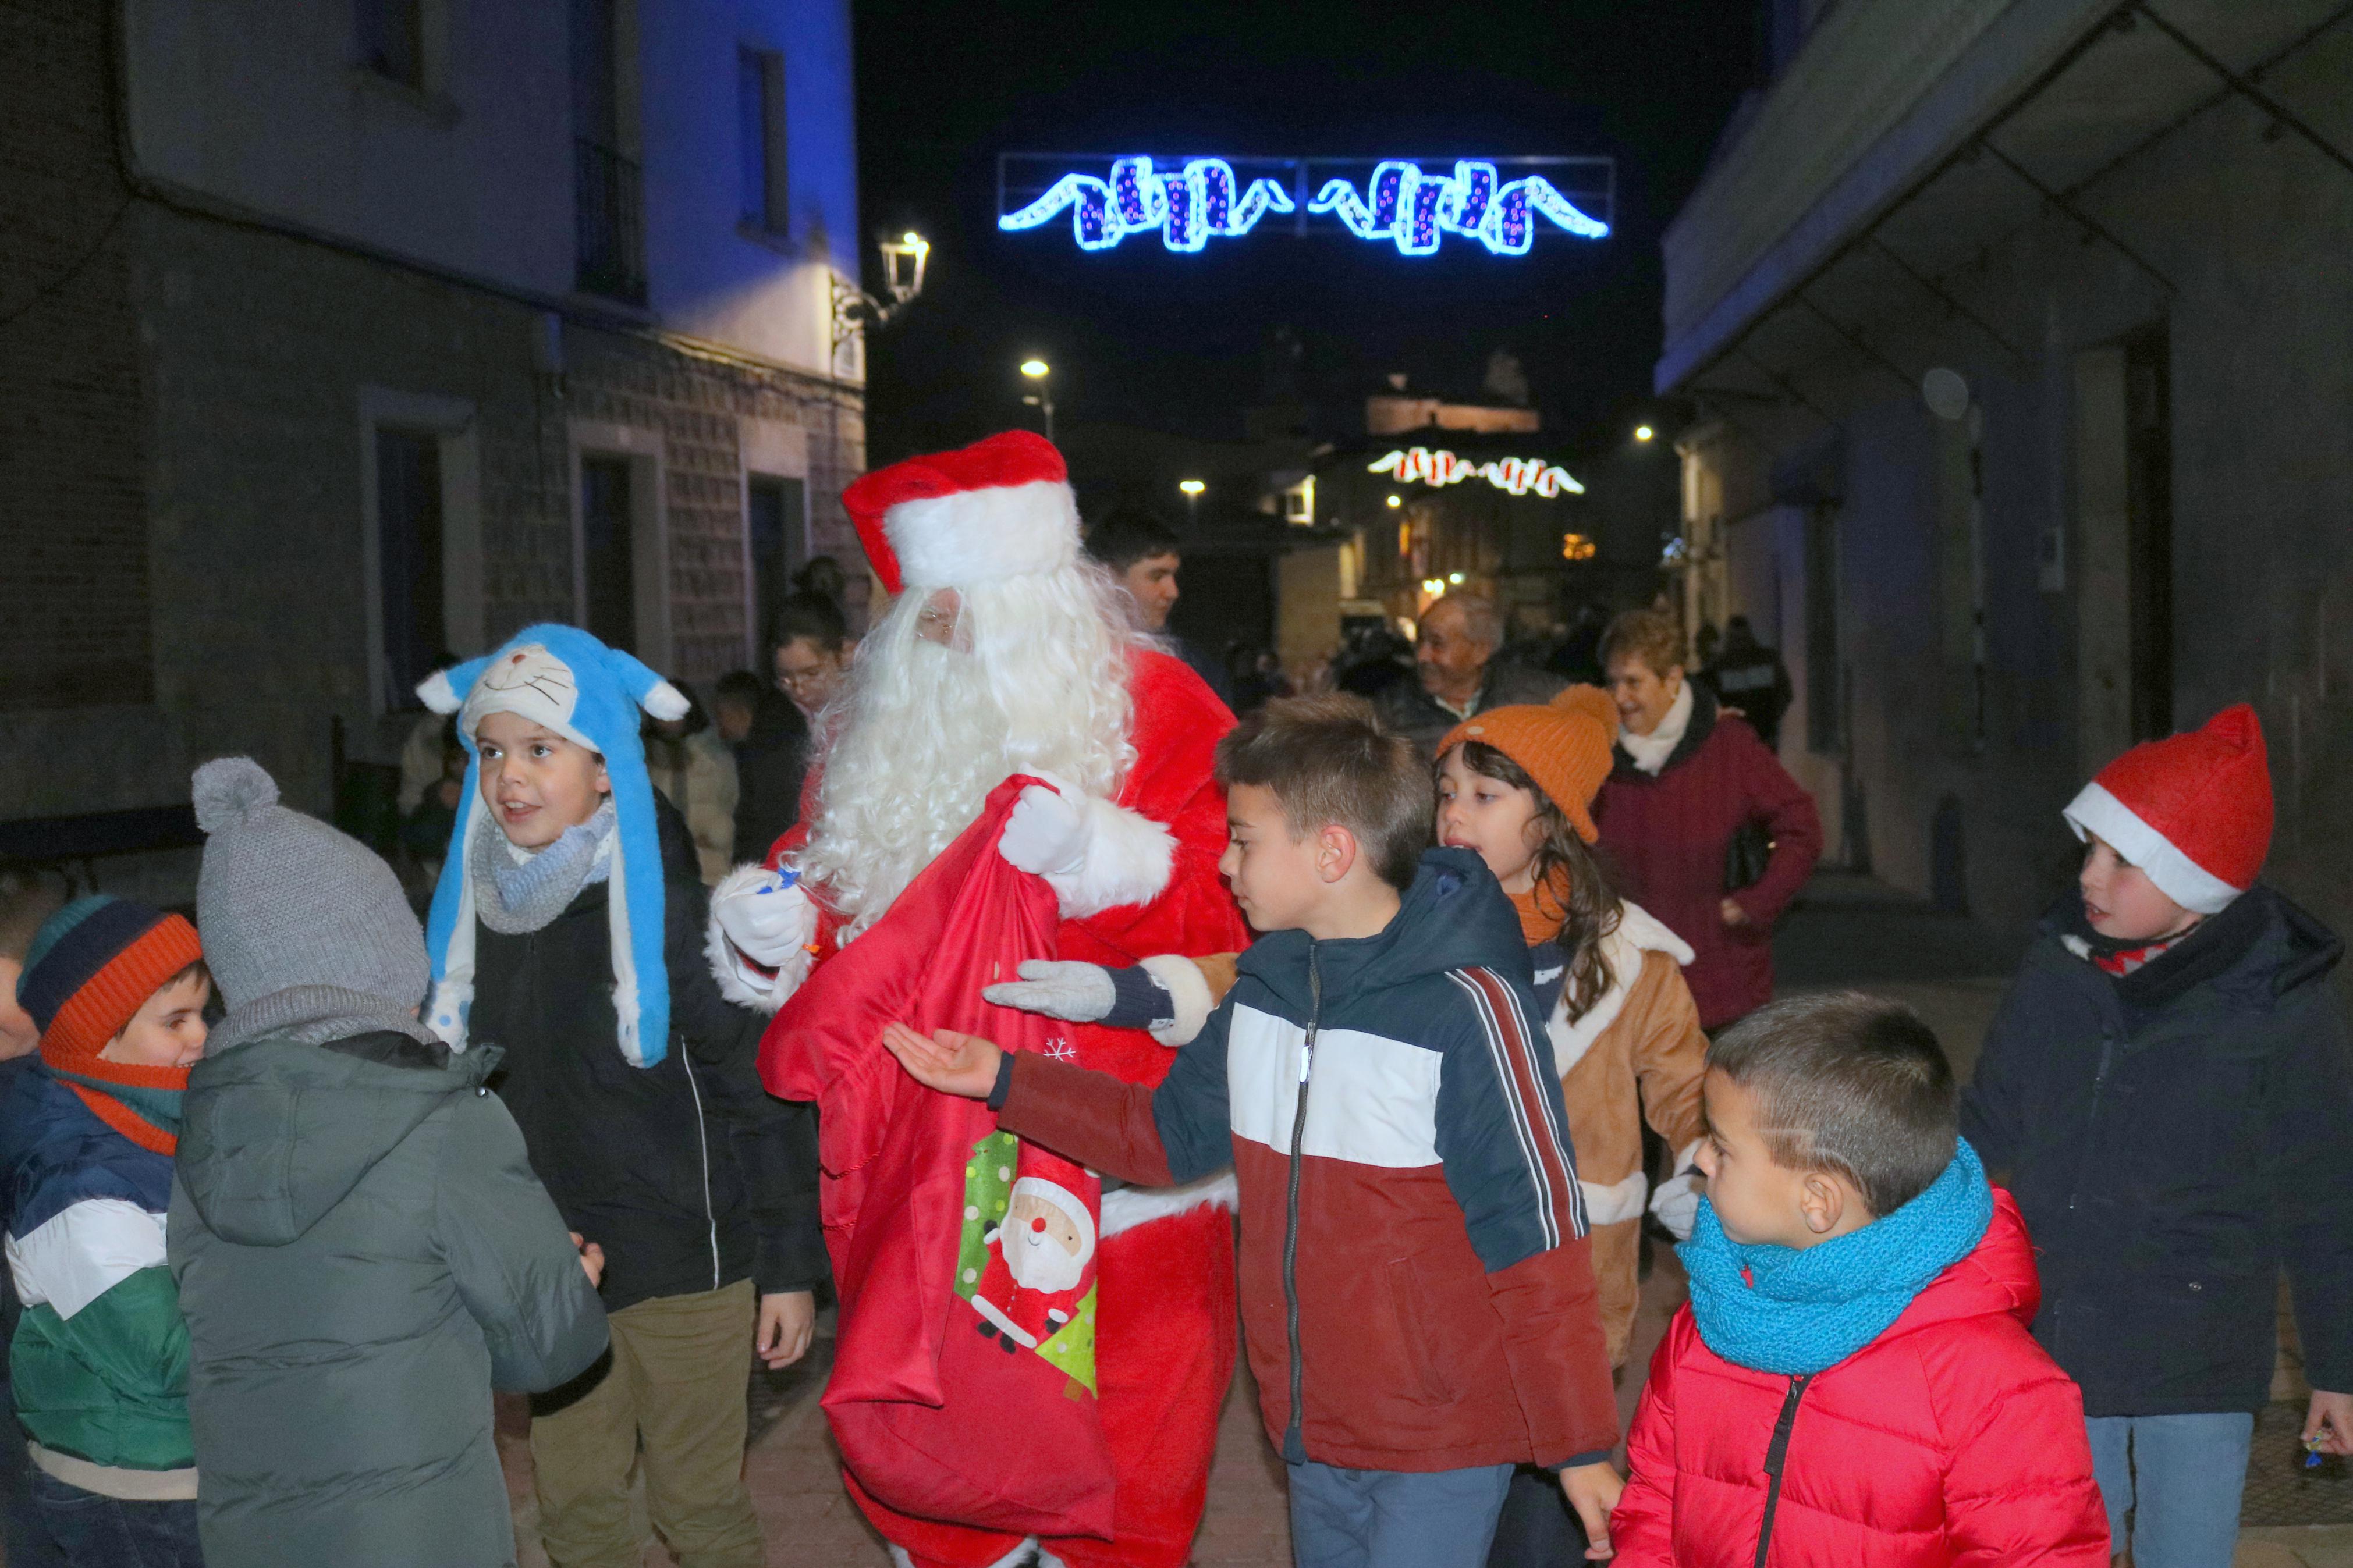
(1140, 336)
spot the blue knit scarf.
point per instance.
(1798, 1311)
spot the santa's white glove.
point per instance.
(1097, 856)
(1046, 834)
(1676, 1203)
(761, 921)
(1075, 993)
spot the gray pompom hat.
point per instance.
(306, 930)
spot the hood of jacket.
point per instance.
(1454, 916)
(276, 1133)
(1998, 1277)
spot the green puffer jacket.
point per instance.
(363, 1255)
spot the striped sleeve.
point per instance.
(84, 1250)
(1503, 1132)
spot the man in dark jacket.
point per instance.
(2167, 1090)
(362, 1251)
(1750, 679)
(1454, 655)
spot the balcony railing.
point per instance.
(609, 202)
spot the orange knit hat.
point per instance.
(1564, 745)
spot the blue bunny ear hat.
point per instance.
(565, 679)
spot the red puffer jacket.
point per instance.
(1950, 1439)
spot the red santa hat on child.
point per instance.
(998, 508)
(2193, 811)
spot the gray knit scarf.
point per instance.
(518, 890)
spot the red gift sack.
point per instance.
(963, 1385)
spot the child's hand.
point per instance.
(1734, 915)
(788, 1324)
(949, 1062)
(1592, 1491)
(592, 1258)
(2330, 1420)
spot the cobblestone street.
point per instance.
(1848, 930)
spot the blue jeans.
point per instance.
(95, 1531)
(1394, 1519)
(2178, 1477)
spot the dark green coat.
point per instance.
(363, 1254)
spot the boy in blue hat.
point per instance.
(567, 928)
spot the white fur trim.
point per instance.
(1638, 931)
(2177, 875)
(1617, 1202)
(1188, 993)
(1644, 930)
(438, 694)
(1129, 858)
(665, 701)
(1124, 1208)
(983, 536)
(1013, 1559)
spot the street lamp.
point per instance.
(1396, 500)
(1042, 400)
(1644, 432)
(1192, 488)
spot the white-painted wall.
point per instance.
(263, 106)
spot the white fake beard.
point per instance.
(1038, 1262)
(1037, 683)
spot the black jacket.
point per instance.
(1408, 708)
(687, 1174)
(2173, 1139)
(770, 763)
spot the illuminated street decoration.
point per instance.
(1187, 207)
(1417, 210)
(1401, 203)
(1577, 547)
(1518, 475)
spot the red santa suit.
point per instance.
(1164, 1261)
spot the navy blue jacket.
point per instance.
(2174, 1138)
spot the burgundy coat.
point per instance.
(1667, 837)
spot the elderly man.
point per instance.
(1454, 655)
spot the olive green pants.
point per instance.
(672, 1390)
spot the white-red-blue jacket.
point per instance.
(1417, 1289)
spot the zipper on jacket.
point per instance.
(702, 1146)
(1776, 1456)
(2091, 1116)
(1295, 1440)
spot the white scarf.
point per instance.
(1650, 751)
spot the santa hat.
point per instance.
(566, 680)
(1062, 1198)
(998, 508)
(2193, 811)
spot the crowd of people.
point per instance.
(980, 972)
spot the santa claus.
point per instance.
(1005, 651)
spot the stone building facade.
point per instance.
(2019, 330)
(257, 446)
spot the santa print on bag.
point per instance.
(1028, 1262)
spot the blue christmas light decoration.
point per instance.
(1415, 210)
(1188, 206)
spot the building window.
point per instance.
(410, 562)
(392, 40)
(608, 550)
(607, 186)
(1299, 503)
(774, 514)
(760, 126)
